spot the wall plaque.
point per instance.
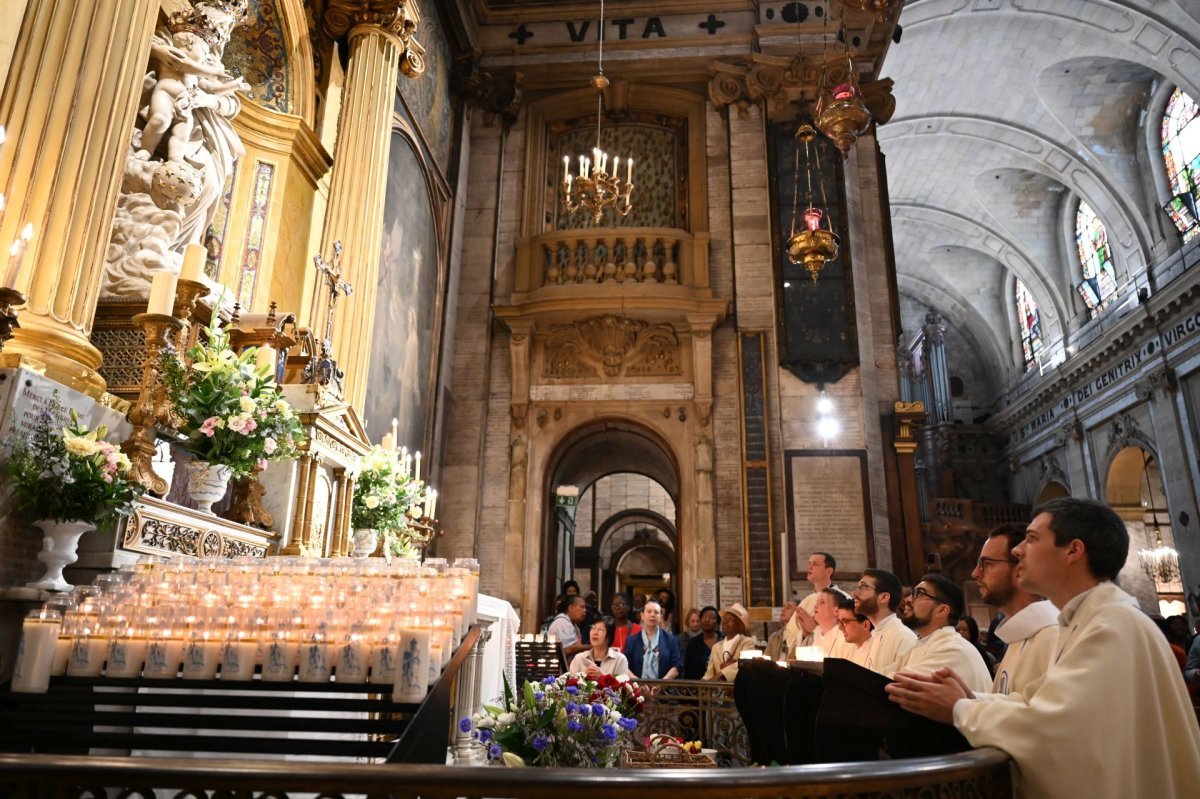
(828, 509)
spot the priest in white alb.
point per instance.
(1111, 719)
(938, 604)
(877, 596)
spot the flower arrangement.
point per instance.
(229, 408)
(388, 497)
(567, 720)
(69, 473)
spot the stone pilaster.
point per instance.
(68, 108)
(381, 48)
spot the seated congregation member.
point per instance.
(695, 659)
(600, 657)
(877, 596)
(856, 629)
(1111, 718)
(776, 642)
(937, 606)
(565, 626)
(1030, 625)
(723, 661)
(623, 626)
(968, 628)
(653, 653)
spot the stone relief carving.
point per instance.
(1052, 471)
(1123, 431)
(1163, 382)
(182, 149)
(614, 346)
(518, 468)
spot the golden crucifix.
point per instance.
(323, 369)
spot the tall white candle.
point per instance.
(126, 653)
(383, 659)
(351, 662)
(388, 443)
(629, 172)
(194, 257)
(35, 657)
(267, 357)
(412, 673)
(433, 504)
(162, 293)
(417, 465)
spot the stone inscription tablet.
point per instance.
(827, 508)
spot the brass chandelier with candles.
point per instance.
(594, 188)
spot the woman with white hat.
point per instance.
(723, 662)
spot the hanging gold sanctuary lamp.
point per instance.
(815, 243)
(594, 188)
(880, 8)
(841, 112)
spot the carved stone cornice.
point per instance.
(789, 85)
(1164, 382)
(500, 97)
(398, 18)
(612, 346)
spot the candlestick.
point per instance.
(150, 409)
(162, 293)
(194, 258)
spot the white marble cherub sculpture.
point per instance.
(189, 77)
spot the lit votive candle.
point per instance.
(279, 658)
(314, 658)
(412, 672)
(126, 653)
(164, 655)
(87, 655)
(35, 656)
(435, 660)
(383, 659)
(352, 659)
(201, 656)
(62, 653)
(238, 656)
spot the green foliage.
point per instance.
(69, 473)
(386, 498)
(229, 408)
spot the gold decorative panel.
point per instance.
(612, 346)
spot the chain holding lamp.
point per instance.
(812, 245)
(152, 407)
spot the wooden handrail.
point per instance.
(983, 773)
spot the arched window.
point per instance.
(1181, 152)
(1030, 322)
(1099, 284)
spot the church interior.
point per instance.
(497, 297)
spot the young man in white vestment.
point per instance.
(821, 566)
(1111, 719)
(1030, 626)
(877, 596)
(856, 630)
(938, 604)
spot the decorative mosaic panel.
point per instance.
(214, 242)
(658, 146)
(264, 175)
(428, 97)
(256, 53)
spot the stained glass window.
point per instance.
(1181, 152)
(1099, 284)
(1030, 322)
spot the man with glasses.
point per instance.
(856, 629)
(877, 596)
(1112, 717)
(1030, 626)
(937, 606)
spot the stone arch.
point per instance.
(591, 450)
(1050, 489)
(974, 327)
(1133, 488)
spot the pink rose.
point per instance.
(209, 426)
(262, 463)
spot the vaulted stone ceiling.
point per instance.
(1009, 111)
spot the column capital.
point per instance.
(398, 18)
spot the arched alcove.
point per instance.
(1134, 489)
(584, 456)
(1051, 490)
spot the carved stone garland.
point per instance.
(614, 346)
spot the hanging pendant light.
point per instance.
(594, 188)
(814, 243)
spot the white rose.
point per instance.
(372, 502)
(506, 719)
(247, 404)
(77, 445)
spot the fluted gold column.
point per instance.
(381, 47)
(68, 108)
